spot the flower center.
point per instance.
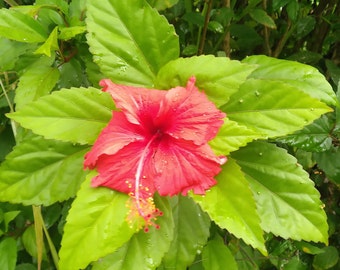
(142, 201)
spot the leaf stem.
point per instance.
(13, 124)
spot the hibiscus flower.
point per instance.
(156, 142)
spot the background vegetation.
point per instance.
(307, 31)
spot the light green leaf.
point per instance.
(218, 77)
(76, 115)
(50, 45)
(143, 250)
(67, 33)
(130, 41)
(162, 4)
(42, 171)
(37, 81)
(190, 235)
(288, 203)
(8, 254)
(96, 226)
(262, 17)
(231, 137)
(216, 255)
(231, 205)
(273, 108)
(21, 27)
(306, 78)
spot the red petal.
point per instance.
(140, 105)
(190, 115)
(118, 171)
(182, 166)
(117, 134)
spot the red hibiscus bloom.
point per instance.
(156, 142)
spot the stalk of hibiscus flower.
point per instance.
(157, 142)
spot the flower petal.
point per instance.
(190, 115)
(140, 105)
(181, 166)
(119, 171)
(117, 134)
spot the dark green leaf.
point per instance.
(315, 137)
(216, 255)
(262, 17)
(162, 4)
(327, 259)
(42, 171)
(328, 161)
(287, 202)
(190, 233)
(117, 38)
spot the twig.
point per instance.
(205, 28)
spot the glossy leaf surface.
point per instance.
(306, 78)
(231, 205)
(143, 250)
(96, 213)
(75, 115)
(218, 77)
(190, 233)
(287, 202)
(42, 171)
(120, 47)
(273, 108)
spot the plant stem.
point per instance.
(206, 10)
(267, 47)
(11, 3)
(39, 223)
(226, 44)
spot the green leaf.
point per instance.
(231, 205)
(190, 234)
(130, 41)
(272, 108)
(262, 17)
(315, 137)
(96, 226)
(306, 78)
(30, 243)
(162, 4)
(8, 254)
(218, 77)
(21, 27)
(8, 217)
(42, 171)
(231, 137)
(328, 161)
(50, 45)
(288, 203)
(327, 259)
(67, 33)
(37, 81)
(216, 255)
(76, 115)
(11, 51)
(143, 250)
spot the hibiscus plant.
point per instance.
(163, 161)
